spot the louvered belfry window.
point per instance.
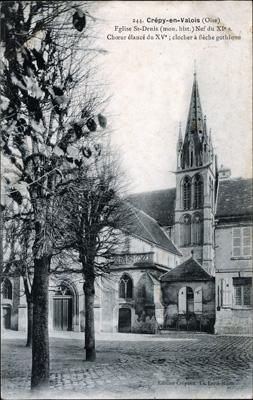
(187, 193)
(185, 230)
(198, 191)
(197, 229)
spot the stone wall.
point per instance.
(234, 321)
(203, 320)
(143, 305)
(230, 318)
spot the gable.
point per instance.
(188, 271)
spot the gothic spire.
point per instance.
(192, 148)
(195, 117)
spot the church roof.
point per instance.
(145, 227)
(234, 200)
(159, 204)
(190, 270)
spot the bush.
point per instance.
(145, 325)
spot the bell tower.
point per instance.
(196, 177)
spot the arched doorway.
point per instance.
(124, 320)
(63, 308)
(185, 300)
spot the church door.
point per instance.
(124, 320)
(63, 313)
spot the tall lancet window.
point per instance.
(125, 287)
(197, 229)
(187, 193)
(198, 191)
(185, 230)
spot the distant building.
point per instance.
(233, 250)
(208, 215)
(186, 262)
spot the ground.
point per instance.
(171, 365)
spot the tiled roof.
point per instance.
(145, 227)
(190, 270)
(159, 204)
(234, 199)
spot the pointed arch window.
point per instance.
(197, 229)
(185, 230)
(198, 191)
(7, 289)
(187, 193)
(125, 287)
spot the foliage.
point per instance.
(145, 325)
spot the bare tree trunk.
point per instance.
(29, 323)
(40, 339)
(89, 293)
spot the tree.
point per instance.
(18, 260)
(94, 216)
(44, 126)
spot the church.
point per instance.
(185, 263)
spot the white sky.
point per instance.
(151, 81)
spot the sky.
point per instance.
(150, 85)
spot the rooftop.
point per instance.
(145, 227)
(190, 270)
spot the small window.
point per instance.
(241, 242)
(243, 291)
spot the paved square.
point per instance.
(173, 365)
